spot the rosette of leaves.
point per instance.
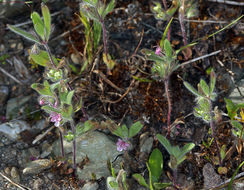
(204, 95)
(155, 168)
(165, 63)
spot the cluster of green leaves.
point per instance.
(165, 64)
(116, 182)
(161, 14)
(125, 133)
(97, 11)
(42, 27)
(177, 155)
(233, 110)
(204, 95)
(155, 168)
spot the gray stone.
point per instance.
(38, 183)
(37, 166)
(235, 95)
(211, 178)
(90, 186)
(12, 129)
(15, 174)
(146, 145)
(14, 105)
(98, 147)
(11, 8)
(4, 92)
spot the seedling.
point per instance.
(97, 11)
(125, 134)
(165, 64)
(177, 155)
(116, 182)
(204, 97)
(155, 168)
(56, 98)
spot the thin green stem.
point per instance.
(49, 54)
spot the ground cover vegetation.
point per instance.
(148, 86)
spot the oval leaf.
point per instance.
(38, 24)
(140, 180)
(134, 129)
(47, 21)
(156, 163)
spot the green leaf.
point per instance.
(108, 61)
(125, 131)
(212, 81)
(118, 132)
(232, 178)
(222, 152)
(161, 185)
(142, 79)
(150, 55)
(192, 89)
(165, 32)
(140, 180)
(42, 59)
(82, 128)
(109, 8)
(187, 148)
(67, 111)
(204, 87)
(50, 109)
(231, 108)
(168, 48)
(164, 141)
(237, 125)
(114, 184)
(43, 89)
(69, 97)
(156, 163)
(47, 21)
(78, 105)
(69, 137)
(134, 129)
(97, 31)
(24, 34)
(38, 24)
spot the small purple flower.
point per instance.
(122, 145)
(56, 117)
(158, 50)
(42, 102)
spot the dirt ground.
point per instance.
(132, 27)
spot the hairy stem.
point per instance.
(74, 146)
(166, 85)
(213, 131)
(50, 55)
(61, 142)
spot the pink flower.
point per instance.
(158, 50)
(42, 102)
(122, 145)
(56, 117)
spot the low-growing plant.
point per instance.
(155, 168)
(97, 11)
(116, 182)
(56, 98)
(125, 134)
(177, 154)
(165, 64)
(205, 95)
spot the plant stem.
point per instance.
(166, 85)
(49, 54)
(61, 142)
(213, 130)
(174, 178)
(104, 38)
(74, 146)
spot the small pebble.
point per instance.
(15, 174)
(7, 171)
(37, 166)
